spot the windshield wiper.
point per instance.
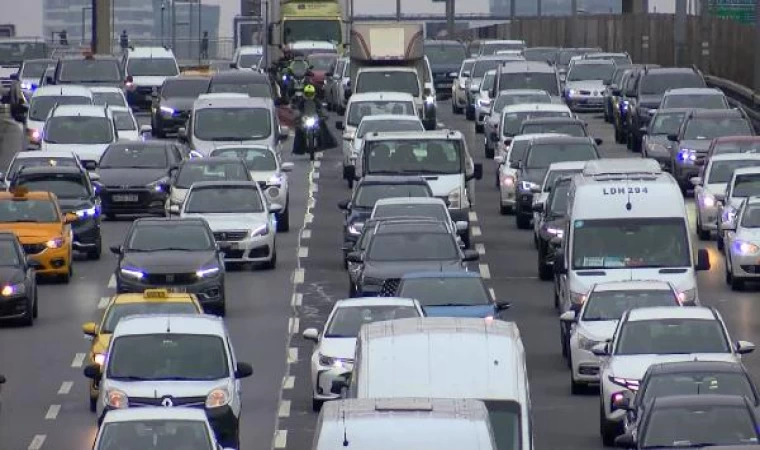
(131, 378)
(453, 304)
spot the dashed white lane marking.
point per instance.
(281, 439)
(284, 410)
(296, 300)
(493, 293)
(317, 164)
(306, 234)
(103, 302)
(288, 382)
(476, 231)
(78, 360)
(485, 272)
(473, 216)
(303, 252)
(37, 442)
(298, 276)
(481, 249)
(315, 175)
(65, 387)
(292, 355)
(294, 323)
(52, 412)
(112, 282)
(309, 218)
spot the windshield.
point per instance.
(120, 310)
(445, 55)
(412, 210)
(171, 357)
(455, 291)
(751, 217)
(27, 210)
(487, 83)
(722, 171)
(583, 72)
(566, 55)
(658, 83)
(667, 123)
(610, 305)
(746, 185)
(78, 130)
(257, 159)
(390, 81)
(552, 176)
(312, 30)
(232, 124)
(568, 129)
(711, 128)
(541, 156)
(90, 71)
(517, 150)
(620, 243)
(61, 185)
(152, 67)
(40, 162)
(359, 110)
(9, 254)
(490, 48)
(41, 105)
(560, 200)
(515, 99)
(467, 66)
(481, 66)
(407, 156)
(215, 171)
(224, 200)
(171, 434)
(671, 336)
(109, 98)
(34, 69)
(511, 122)
(125, 156)
(505, 419)
(752, 146)
(184, 88)
(348, 320)
(385, 126)
(413, 246)
(322, 62)
(699, 426)
(540, 54)
(698, 101)
(696, 383)
(124, 121)
(252, 89)
(158, 236)
(249, 61)
(368, 194)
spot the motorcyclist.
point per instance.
(307, 105)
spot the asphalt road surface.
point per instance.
(45, 398)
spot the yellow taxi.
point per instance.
(43, 230)
(152, 301)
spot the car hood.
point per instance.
(396, 269)
(178, 103)
(28, 232)
(11, 275)
(599, 331)
(169, 261)
(74, 204)
(343, 348)
(263, 175)
(589, 85)
(633, 367)
(717, 190)
(699, 145)
(220, 222)
(748, 234)
(90, 152)
(130, 177)
(148, 81)
(475, 311)
(205, 147)
(533, 175)
(650, 101)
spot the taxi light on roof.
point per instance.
(156, 293)
(20, 191)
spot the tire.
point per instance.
(27, 319)
(316, 405)
(283, 220)
(545, 271)
(608, 430)
(522, 221)
(95, 253)
(67, 277)
(704, 235)
(737, 284)
(720, 244)
(221, 310)
(489, 152)
(36, 305)
(618, 136)
(562, 342)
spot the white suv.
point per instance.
(146, 69)
(87, 130)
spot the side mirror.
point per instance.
(284, 133)
(477, 172)
(703, 260)
(344, 205)
(70, 218)
(625, 441)
(598, 141)
(287, 167)
(49, 79)
(696, 181)
(182, 134)
(90, 329)
(568, 316)
(92, 371)
(145, 130)
(116, 249)
(311, 334)
(600, 349)
(275, 208)
(243, 370)
(470, 255)
(744, 347)
(673, 137)
(461, 225)
(233, 65)
(339, 125)
(538, 207)
(90, 166)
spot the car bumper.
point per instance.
(170, 123)
(586, 103)
(86, 234)
(14, 307)
(322, 378)
(507, 194)
(585, 365)
(744, 266)
(257, 249)
(210, 292)
(133, 201)
(54, 261)
(607, 390)
(525, 203)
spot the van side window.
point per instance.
(505, 423)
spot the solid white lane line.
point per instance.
(78, 360)
(476, 231)
(296, 300)
(298, 276)
(289, 382)
(112, 282)
(52, 412)
(306, 234)
(292, 355)
(293, 324)
(303, 252)
(65, 387)
(481, 249)
(485, 272)
(37, 442)
(284, 410)
(281, 439)
(103, 302)
(473, 216)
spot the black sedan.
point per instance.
(253, 84)
(173, 103)
(552, 216)
(135, 176)
(18, 294)
(180, 255)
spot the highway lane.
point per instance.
(45, 399)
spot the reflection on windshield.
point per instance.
(257, 159)
(78, 130)
(392, 81)
(658, 83)
(249, 61)
(542, 156)
(722, 171)
(171, 357)
(467, 65)
(108, 98)
(360, 110)
(170, 236)
(671, 336)
(583, 72)
(348, 320)
(41, 162)
(171, 434)
(715, 101)
(60, 186)
(184, 88)
(517, 150)
(449, 55)
(432, 211)
(746, 186)
(312, 30)
(613, 243)
(41, 105)
(415, 157)
(253, 90)
(446, 291)
(368, 194)
(679, 427)
(413, 247)
(610, 305)
(322, 62)
(124, 121)
(28, 211)
(552, 176)
(515, 99)
(511, 122)
(696, 383)
(232, 124)
(152, 67)
(9, 254)
(134, 157)
(193, 173)
(711, 128)
(505, 419)
(90, 71)
(751, 217)
(667, 123)
(120, 310)
(224, 200)
(385, 126)
(34, 69)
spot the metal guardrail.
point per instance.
(739, 96)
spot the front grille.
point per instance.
(33, 249)
(262, 184)
(234, 254)
(226, 236)
(390, 287)
(162, 401)
(584, 92)
(169, 279)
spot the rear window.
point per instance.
(530, 80)
(658, 83)
(90, 71)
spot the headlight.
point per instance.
(624, 105)
(167, 111)
(100, 359)
(218, 398)
(571, 92)
(12, 289)
(273, 191)
(687, 156)
(555, 231)
(508, 181)
(627, 383)
(330, 361)
(34, 135)
(484, 102)
(132, 273)
(207, 272)
(429, 100)
(27, 86)
(117, 399)
(577, 298)
(455, 198)
(261, 230)
(708, 201)
(55, 243)
(586, 343)
(745, 248)
(687, 296)
(310, 122)
(275, 180)
(356, 228)
(88, 212)
(528, 186)
(157, 186)
(729, 214)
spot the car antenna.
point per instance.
(628, 205)
(168, 325)
(345, 430)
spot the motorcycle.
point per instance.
(311, 134)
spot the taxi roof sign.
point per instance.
(156, 293)
(20, 191)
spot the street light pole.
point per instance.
(200, 33)
(574, 23)
(757, 54)
(174, 25)
(680, 33)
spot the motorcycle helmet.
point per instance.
(309, 91)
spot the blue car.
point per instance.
(451, 294)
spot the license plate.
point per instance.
(228, 246)
(125, 198)
(176, 290)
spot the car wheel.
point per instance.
(704, 235)
(522, 221)
(94, 254)
(562, 340)
(467, 239)
(27, 319)
(608, 430)
(729, 275)
(316, 405)
(283, 219)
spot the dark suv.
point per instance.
(173, 102)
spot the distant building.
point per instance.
(188, 34)
(556, 7)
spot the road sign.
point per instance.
(740, 10)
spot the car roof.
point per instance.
(531, 136)
(735, 157)
(677, 401)
(389, 96)
(551, 120)
(506, 92)
(139, 414)
(612, 286)
(526, 66)
(230, 183)
(410, 201)
(62, 90)
(145, 297)
(232, 76)
(50, 170)
(227, 100)
(437, 135)
(656, 70)
(443, 274)
(384, 117)
(100, 89)
(694, 91)
(374, 301)
(747, 170)
(198, 324)
(696, 366)
(529, 107)
(52, 154)
(567, 165)
(431, 226)
(392, 179)
(80, 110)
(593, 62)
(671, 312)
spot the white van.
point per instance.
(628, 221)
(404, 424)
(445, 357)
